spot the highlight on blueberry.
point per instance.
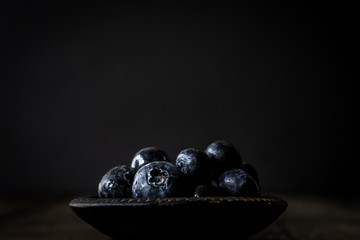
(147, 155)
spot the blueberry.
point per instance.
(194, 163)
(157, 179)
(116, 183)
(225, 157)
(205, 190)
(147, 155)
(237, 182)
(251, 170)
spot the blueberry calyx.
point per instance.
(157, 177)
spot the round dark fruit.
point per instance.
(216, 171)
(251, 170)
(237, 182)
(194, 163)
(147, 155)
(116, 183)
(225, 157)
(157, 179)
(205, 190)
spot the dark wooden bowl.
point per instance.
(179, 218)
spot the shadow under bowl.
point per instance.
(175, 218)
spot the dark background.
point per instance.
(85, 86)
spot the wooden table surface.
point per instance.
(307, 217)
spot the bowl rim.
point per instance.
(95, 201)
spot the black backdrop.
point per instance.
(85, 86)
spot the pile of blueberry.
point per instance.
(217, 171)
